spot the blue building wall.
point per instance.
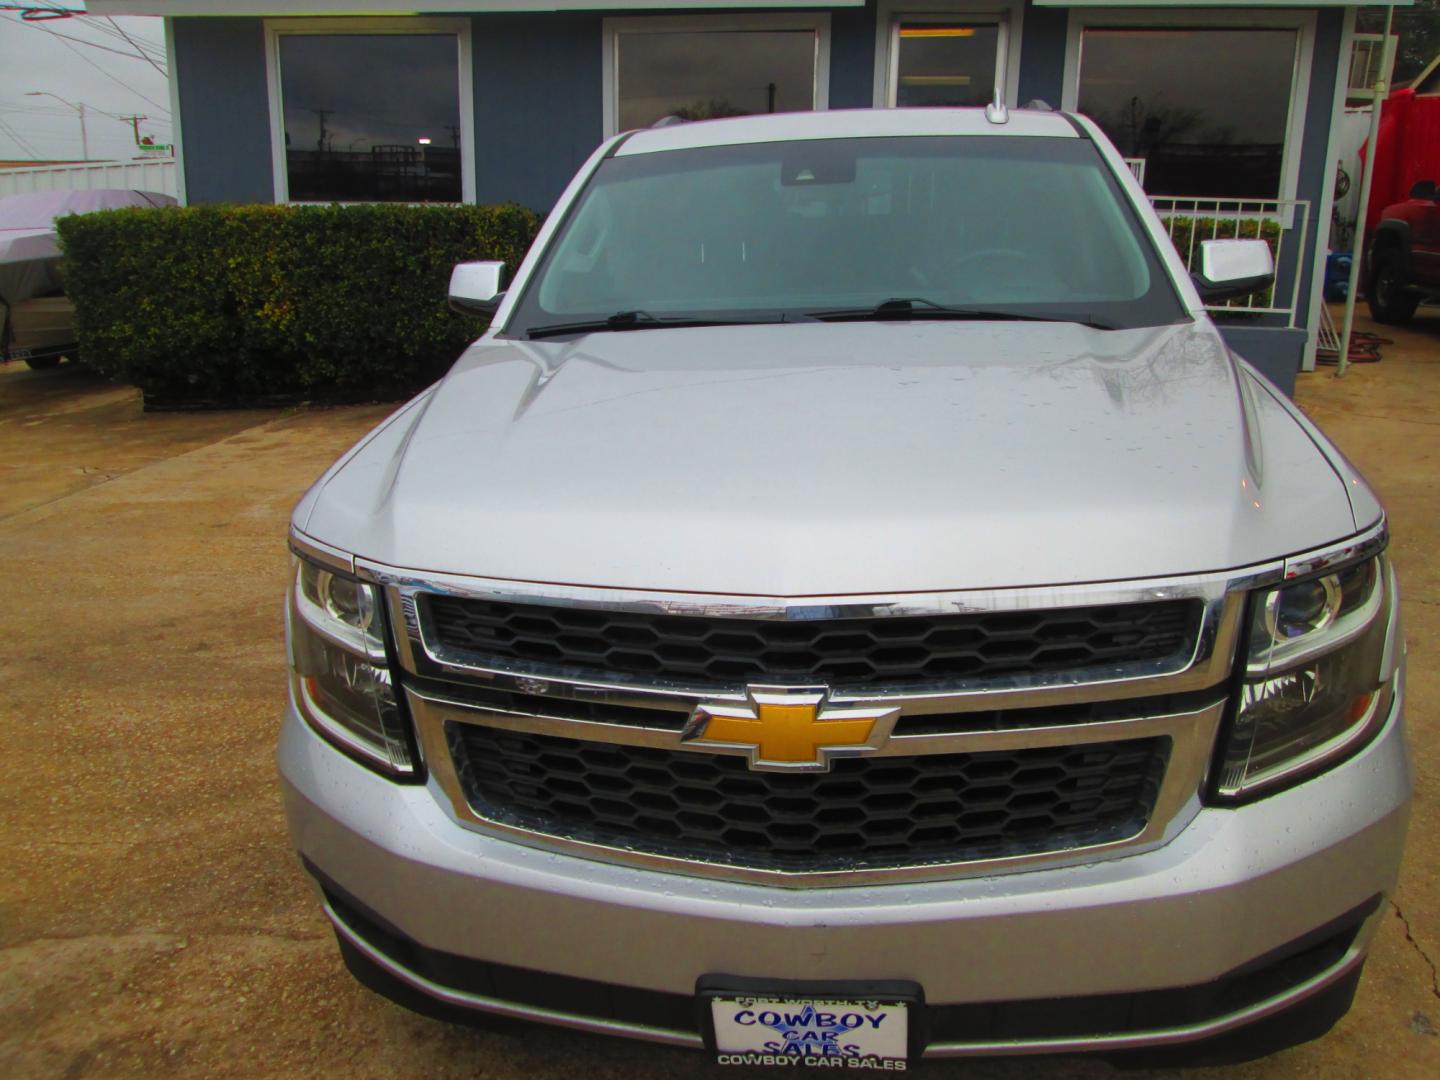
(852, 57)
(1043, 33)
(1315, 180)
(537, 103)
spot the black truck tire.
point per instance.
(1389, 299)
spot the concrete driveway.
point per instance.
(152, 919)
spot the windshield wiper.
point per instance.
(906, 307)
(637, 320)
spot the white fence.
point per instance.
(1282, 223)
(158, 175)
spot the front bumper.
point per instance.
(1233, 887)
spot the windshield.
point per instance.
(986, 225)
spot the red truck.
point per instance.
(1402, 248)
(1403, 260)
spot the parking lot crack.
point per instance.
(101, 478)
(1434, 973)
(170, 939)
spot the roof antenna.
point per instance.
(996, 112)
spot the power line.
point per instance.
(15, 136)
(41, 14)
(141, 51)
(93, 44)
(38, 110)
(161, 128)
(48, 11)
(119, 33)
(51, 12)
(145, 49)
(112, 78)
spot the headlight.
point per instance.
(1316, 683)
(341, 676)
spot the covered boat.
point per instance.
(36, 320)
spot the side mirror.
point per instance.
(1231, 268)
(475, 287)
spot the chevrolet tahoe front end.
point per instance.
(1025, 671)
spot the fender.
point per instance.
(1391, 231)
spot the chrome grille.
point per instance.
(548, 738)
(840, 652)
(865, 812)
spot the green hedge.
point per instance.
(1182, 227)
(225, 305)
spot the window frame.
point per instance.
(817, 22)
(1299, 20)
(1010, 14)
(383, 26)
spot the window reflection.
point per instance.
(946, 63)
(1206, 109)
(371, 117)
(703, 74)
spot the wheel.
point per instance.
(41, 363)
(1390, 301)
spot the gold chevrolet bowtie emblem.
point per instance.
(788, 729)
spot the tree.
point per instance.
(1419, 30)
(712, 109)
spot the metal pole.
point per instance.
(79, 109)
(1367, 177)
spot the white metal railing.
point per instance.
(157, 175)
(1137, 167)
(1282, 223)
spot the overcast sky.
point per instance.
(33, 57)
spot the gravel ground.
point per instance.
(152, 919)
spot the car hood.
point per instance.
(826, 459)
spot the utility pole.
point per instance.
(134, 122)
(322, 114)
(84, 137)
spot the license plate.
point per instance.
(780, 1030)
(19, 354)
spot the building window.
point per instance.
(369, 115)
(699, 68)
(944, 53)
(945, 63)
(1206, 109)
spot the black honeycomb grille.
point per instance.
(865, 812)
(837, 652)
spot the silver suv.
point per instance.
(852, 605)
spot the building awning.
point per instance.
(1209, 3)
(436, 7)
(429, 7)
